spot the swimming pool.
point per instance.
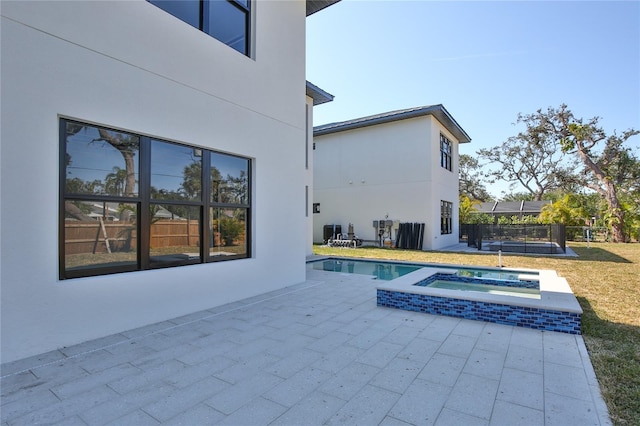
(388, 271)
(537, 299)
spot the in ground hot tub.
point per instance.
(537, 299)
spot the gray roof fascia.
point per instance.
(438, 111)
(314, 6)
(318, 95)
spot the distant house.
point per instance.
(315, 96)
(167, 141)
(512, 208)
(380, 171)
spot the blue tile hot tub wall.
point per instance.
(539, 319)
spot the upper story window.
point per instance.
(445, 152)
(226, 20)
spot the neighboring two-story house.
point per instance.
(399, 167)
(152, 154)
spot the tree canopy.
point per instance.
(531, 159)
(470, 179)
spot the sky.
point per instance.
(486, 62)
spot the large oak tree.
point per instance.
(531, 159)
(608, 164)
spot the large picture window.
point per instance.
(130, 202)
(226, 20)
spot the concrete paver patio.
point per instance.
(320, 352)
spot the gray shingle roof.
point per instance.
(438, 111)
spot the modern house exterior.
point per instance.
(399, 167)
(142, 172)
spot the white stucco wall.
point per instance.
(132, 66)
(393, 169)
(308, 178)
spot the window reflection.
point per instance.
(186, 10)
(229, 179)
(175, 235)
(101, 161)
(228, 24)
(225, 20)
(176, 172)
(99, 234)
(228, 233)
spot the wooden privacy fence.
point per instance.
(171, 233)
(104, 237)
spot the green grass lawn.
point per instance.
(606, 280)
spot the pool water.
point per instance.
(530, 293)
(381, 270)
(388, 271)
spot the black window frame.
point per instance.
(445, 152)
(204, 11)
(446, 217)
(144, 200)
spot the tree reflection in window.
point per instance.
(229, 232)
(176, 172)
(229, 179)
(101, 161)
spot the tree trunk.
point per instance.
(74, 211)
(130, 183)
(617, 213)
(607, 188)
(125, 148)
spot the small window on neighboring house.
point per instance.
(446, 217)
(226, 20)
(316, 207)
(445, 152)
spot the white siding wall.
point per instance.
(132, 66)
(392, 169)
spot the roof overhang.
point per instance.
(318, 95)
(437, 111)
(314, 6)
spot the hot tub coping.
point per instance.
(555, 293)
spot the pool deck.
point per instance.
(320, 352)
